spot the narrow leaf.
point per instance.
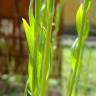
(30, 72)
(79, 18)
(74, 54)
(29, 35)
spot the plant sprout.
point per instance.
(38, 34)
(82, 25)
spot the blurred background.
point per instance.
(14, 50)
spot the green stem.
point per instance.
(46, 62)
(36, 34)
(79, 54)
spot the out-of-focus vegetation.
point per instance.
(87, 82)
(13, 85)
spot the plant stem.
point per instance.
(79, 54)
(46, 62)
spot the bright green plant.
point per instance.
(38, 34)
(82, 25)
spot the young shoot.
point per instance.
(82, 25)
(38, 35)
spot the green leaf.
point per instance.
(31, 21)
(87, 4)
(79, 16)
(30, 72)
(29, 35)
(80, 21)
(27, 31)
(86, 30)
(44, 16)
(30, 39)
(82, 12)
(31, 17)
(26, 87)
(37, 10)
(49, 62)
(74, 54)
(39, 67)
(50, 6)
